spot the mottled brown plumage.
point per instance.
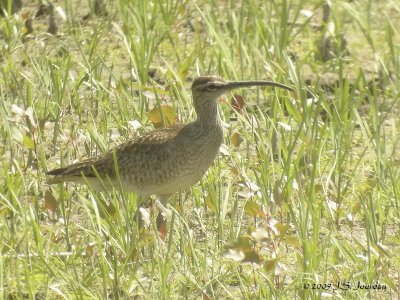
(163, 161)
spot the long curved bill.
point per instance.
(230, 85)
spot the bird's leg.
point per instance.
(161, 221)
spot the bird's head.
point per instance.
(213, 87)
(207, 89)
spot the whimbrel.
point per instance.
(164, 161)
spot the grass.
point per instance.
(308, 200)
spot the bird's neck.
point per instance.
(207, 113)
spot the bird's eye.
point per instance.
(211, 87)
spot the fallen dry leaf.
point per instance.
(162, 116)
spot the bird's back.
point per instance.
(161, 162)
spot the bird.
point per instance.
(164, 161)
